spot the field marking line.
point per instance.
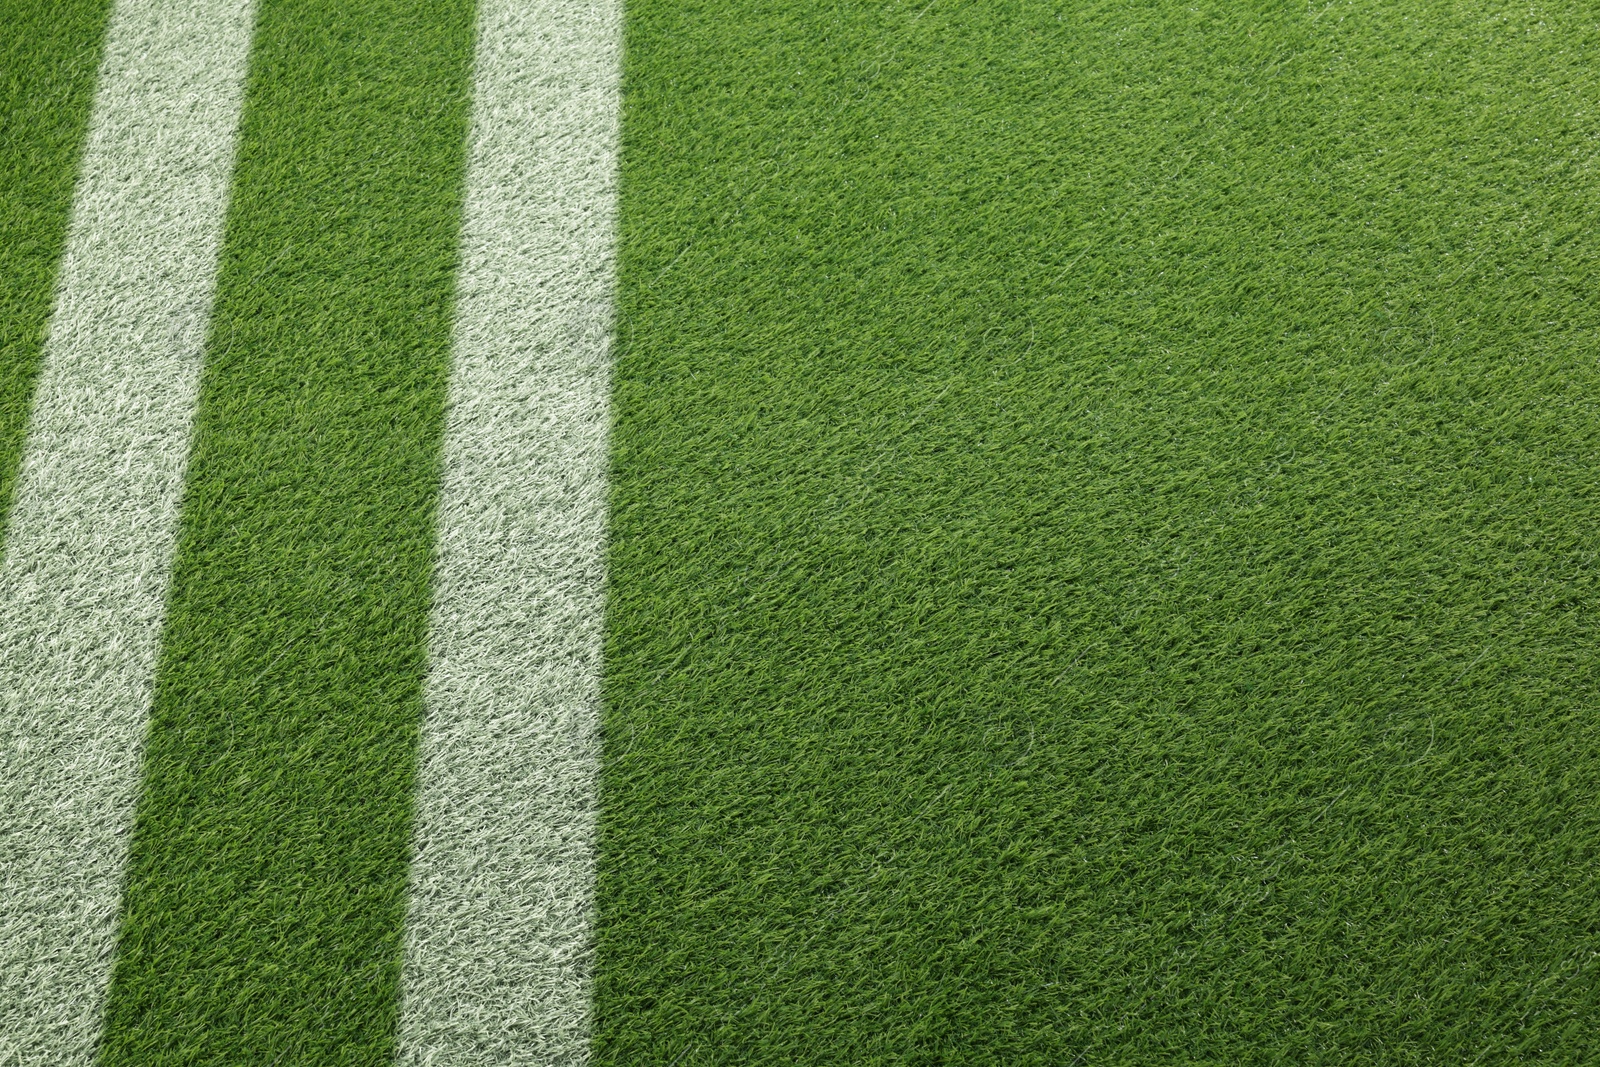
(498, 942)
(92, 528)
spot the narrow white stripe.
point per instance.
(87, 553)
(498, 940)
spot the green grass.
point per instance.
(1103, 558)
(267, 877)
(49, 53)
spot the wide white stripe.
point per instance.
(497, 953)
(89, 545)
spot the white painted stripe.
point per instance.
(497, 954)
(90, 541)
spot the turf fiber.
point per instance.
(1102, 551)
(93, 524)
(267, 877)
(499, 940)
(49, 53)
(1102, 565)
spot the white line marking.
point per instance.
(498, 940)
(89, 547)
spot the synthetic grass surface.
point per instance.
(93, 525)
(267, 878)
(499, 927)
(1103, 556)
(49, 53)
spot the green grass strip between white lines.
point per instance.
(498, 931)
(91, 531)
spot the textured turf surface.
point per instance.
(49, 53)
(498, 950)
(93, 523)
(1103, 556)
(267, 880)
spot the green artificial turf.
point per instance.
(49, 53)
(267, 877)
(1105, 511)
